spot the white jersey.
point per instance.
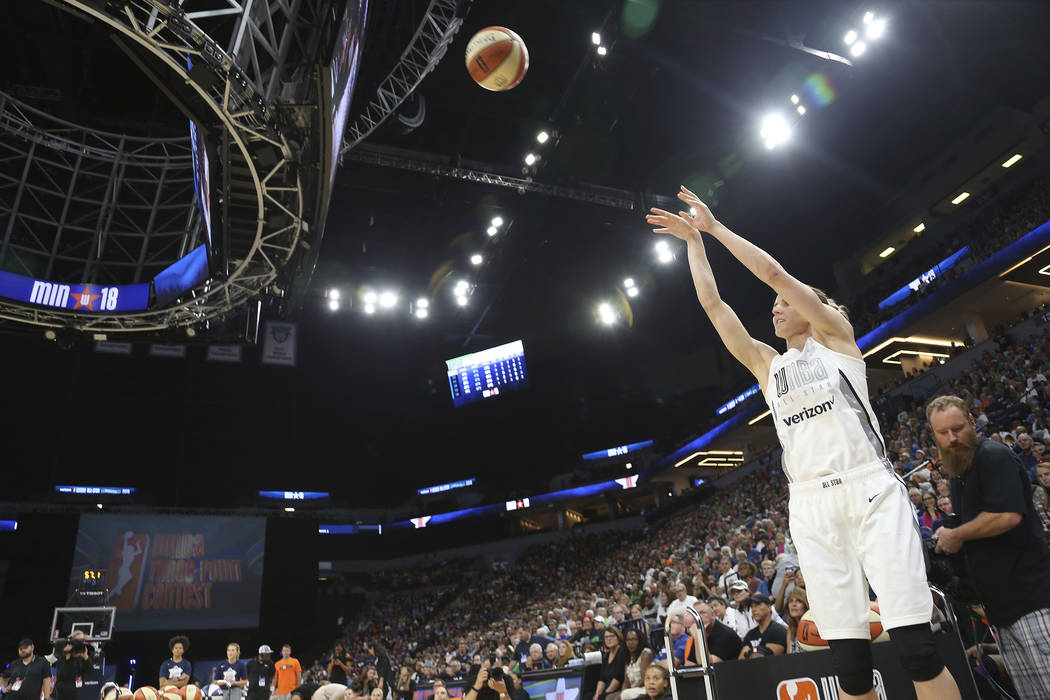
(819, 401)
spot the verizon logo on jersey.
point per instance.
(809, 412)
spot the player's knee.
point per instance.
(917, 651)
(853, 664)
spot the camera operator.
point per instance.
(1001, 539)
(71, 663)
(490, 682)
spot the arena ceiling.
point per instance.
(677, 98)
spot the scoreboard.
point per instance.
(487, 373)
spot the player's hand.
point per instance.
(674, 224)
(703, 219)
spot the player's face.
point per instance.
(177, 649)
(232, 653)
(787, 321)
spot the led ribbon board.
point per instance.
(617, 451)
(445, 487)
(294, 495)
(84, 297)
(95, 490)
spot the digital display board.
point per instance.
(295, 495)
(737, 400)
(181, 276)
(617, 451)
(441, 488)
(8, 525)
(84, 297)
(519, 504)
(95, 490)
(346, 59)
(201, 178)
(349, 529)
(924, 279)
(485, 374)
(175, 572)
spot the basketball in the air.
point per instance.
(147, 692)
(497, 58)
(809, 636)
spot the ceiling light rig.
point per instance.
(874, 29)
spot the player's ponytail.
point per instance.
(824, 298)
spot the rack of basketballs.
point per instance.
(113, 691)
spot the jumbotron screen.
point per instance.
(175, 572)
(487, 374)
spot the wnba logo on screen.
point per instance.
(126, 565)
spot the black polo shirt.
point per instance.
(1011, 571)
(723, 642)
(775, 633)
(29, 677)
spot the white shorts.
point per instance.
(855, 528)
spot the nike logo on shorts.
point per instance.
(873, 498)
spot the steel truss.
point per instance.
(89, 206)
(592, 194)
(424, 52)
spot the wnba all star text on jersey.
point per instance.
(810, 412)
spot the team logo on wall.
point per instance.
(126, 565)
(825, 688)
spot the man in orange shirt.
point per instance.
(288, 674)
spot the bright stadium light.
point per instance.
(858, 49)
(632, 292)
(387, 300)
(920, 228)
(850, 37)
(888, 252)
(602, 50)
(794, 99)
(876, 29)
(775, 130)
(333, 304)
(868, 17)
(497, 221)
(492, 230)
(370, 309)
(1011, 160)
(665, 257)
(661, 246)
(461, 288)
(421, 313)
(475, 259)
(960, 197)
(530, 159)
(800, 109)
(596, 38)
(422, 303)
(461, 300)
(629, 282)
(543, 137)
(606, 314)
(333, 294)
(369, 297)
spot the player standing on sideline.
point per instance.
(176, 671)
(850, 515)
(260, 674)
(232, 674)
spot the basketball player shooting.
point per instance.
(850, 514)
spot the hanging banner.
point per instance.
(113, 348)
(279, 344)
(224, 353)
(178, 351)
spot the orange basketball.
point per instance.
(191, 692)
(177, 695)
(497, 58)
(147, 692)
(809, 636)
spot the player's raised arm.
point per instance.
(825, 319)
(751, 353)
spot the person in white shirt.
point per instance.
(740, 617)
(682, 600)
